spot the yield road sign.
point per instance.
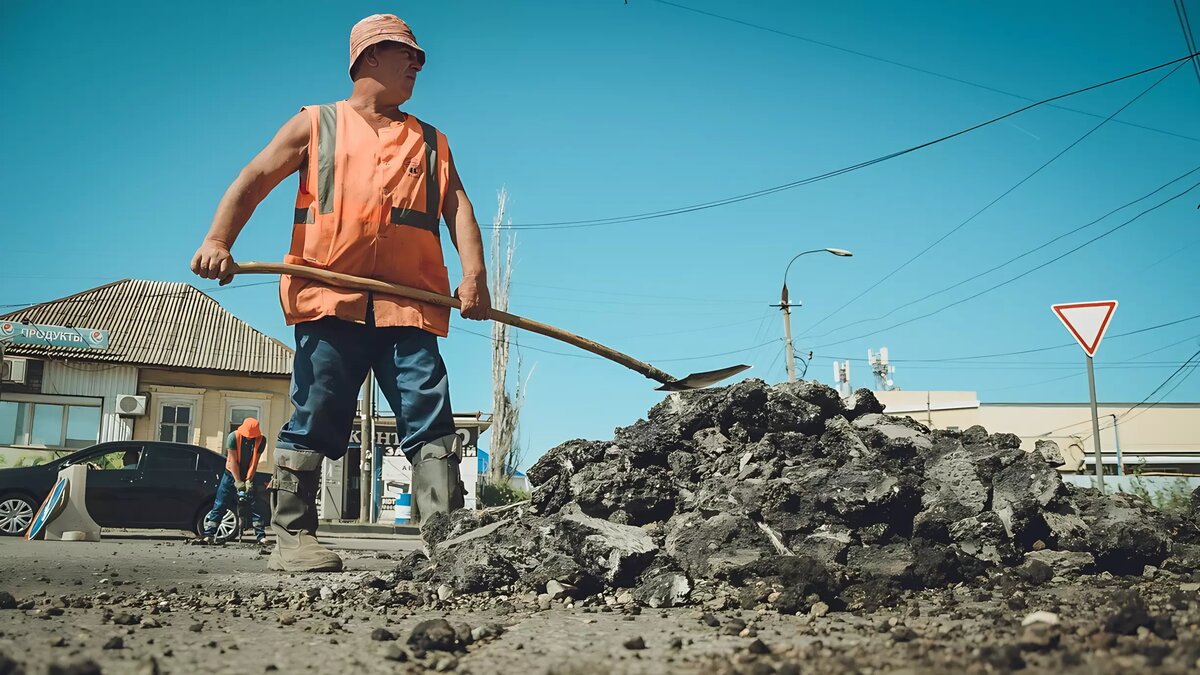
(1086, 321)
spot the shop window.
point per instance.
(50, 425)
(47, 427)
(14, 415)
(83, 426)
(175, 423)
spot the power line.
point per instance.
(1126, 364)
(1163, 384)
(913, 68)
(1015, 278)
(992, 203)
(1178, 384)
(1159, 349)
(701, 329)
(1123, 415)
(1181, 12)
(961, 283)
(709, 356)
(137, 296)
(512, 343)
(585, 356)
(771, 368)
(650, 215)
(1035, 350)
(1025, 385)
(635, 295)
(1126, 417)
(1155, 327)
(232, 286)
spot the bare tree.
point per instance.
(506, 408)
(516, 450)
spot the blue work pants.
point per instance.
(332, 360)
(227, 500)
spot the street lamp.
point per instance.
(784, 305)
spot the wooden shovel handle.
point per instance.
(348, 281)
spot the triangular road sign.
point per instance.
(1087, 321)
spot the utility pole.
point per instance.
(786, 306)
(376, 457)
(1117, 438)
(365, 445)
(790, 350)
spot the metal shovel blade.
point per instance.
(701, 380)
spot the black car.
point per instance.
(130, 484)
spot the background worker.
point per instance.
(374, 184)
(243, 448)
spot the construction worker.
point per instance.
(243, 448)
(374, 183)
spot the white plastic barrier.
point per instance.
(64, 515)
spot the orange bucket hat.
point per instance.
(249, 428)
(381, 28)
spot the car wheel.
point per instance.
(16, 513)
(229, 527)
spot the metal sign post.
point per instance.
(1095, 424)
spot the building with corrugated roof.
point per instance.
(176, 366)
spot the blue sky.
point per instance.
(120, 139)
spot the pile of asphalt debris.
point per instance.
(784, 497)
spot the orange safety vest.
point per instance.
(369, 204)
(233, 461)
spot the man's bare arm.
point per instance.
(464, 232)
(283, 156)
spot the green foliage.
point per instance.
(1174, 498)
(499, 495)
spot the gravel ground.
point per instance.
(153, 605)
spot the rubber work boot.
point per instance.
(294, 515)
(437, 483)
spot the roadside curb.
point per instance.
(369, 529)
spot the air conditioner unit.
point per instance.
(13, 370)
(131, 406)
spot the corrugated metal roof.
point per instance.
(160, 324)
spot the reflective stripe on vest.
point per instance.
(430, 218)
(326, 145)
(326, 162)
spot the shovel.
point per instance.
(669, 383)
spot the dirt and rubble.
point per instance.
(748, 529)
(782, 497)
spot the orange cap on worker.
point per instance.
(381, 28)
(250, 428)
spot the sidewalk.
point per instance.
(352, 528)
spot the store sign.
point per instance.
(395, 473)
(53, 336)
(387, 442)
